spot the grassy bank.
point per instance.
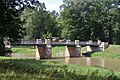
(28, 69)
(23, 50)
(113, 51)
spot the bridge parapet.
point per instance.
(55, 43)
(90, 42)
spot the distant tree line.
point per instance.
(78, 19)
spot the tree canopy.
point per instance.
(90, 20)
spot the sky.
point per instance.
(52, 4)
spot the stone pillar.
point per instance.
(48, 48)
(40, 53)
(78, 48)
(67, 54)
(100, 45)
(72, 51)
(99, 42)
(40, 50)
(103, 46)
(43, 52)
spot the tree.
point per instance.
(39, 23)
(108, 17)
(73, 20)
(52, 28)
(91, 19)
(10, 23)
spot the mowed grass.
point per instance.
(58, 51)
(29, 69)
(113, 51)
(23, 49)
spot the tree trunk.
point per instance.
(110, 35)
(2, 47)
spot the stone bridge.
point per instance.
(72, 48)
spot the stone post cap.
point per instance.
(77, 42)
(68, 41)
(38, 41)
(48, 42)
(45, 41)
(99, 42)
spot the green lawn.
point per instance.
(29, 69)
(23, 50)
(113, 51)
